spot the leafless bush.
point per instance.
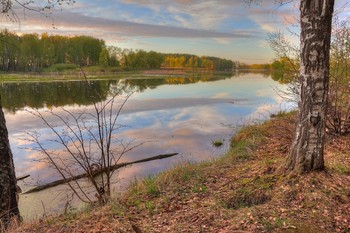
(84, 144)
(338, 110)
(286, 70)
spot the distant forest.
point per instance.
(36, 53)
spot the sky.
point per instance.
(228, 29)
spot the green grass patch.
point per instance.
(151, 186)
(61, 67)
(241, 151)
(217, 143)
(342, 169)
(249, 136)
(150, 207)
(71, 215)
(282, 114)
(148, 186)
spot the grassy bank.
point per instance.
(243, 191)
(64, 75)
(94, 72)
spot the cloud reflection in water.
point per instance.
(171, 118)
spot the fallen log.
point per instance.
(84, 175)
(22, 177)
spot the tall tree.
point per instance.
(8, 202)
(307, 151)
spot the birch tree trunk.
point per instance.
(308, 145)
(8, 202)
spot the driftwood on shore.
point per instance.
(84, 175)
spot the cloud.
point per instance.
(272, 18)
(77, 23)
(193, 13)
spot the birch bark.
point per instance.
(308, 145)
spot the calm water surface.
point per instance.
(174, 114)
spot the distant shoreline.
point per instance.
(98, 73)
(71, 75)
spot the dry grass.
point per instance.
(240, 192)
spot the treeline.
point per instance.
(33, 52)
(283, 69)
(264, 66)
(152, 60)
(195, 62)
(278, 64)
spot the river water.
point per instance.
(169, 114)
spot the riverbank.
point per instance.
(65, 76)
(242, 191)
(94, 73)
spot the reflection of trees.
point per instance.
(140, 85)
(263, 73)
(285, 70)
(16, 96)
(282, 77)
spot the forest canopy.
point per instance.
(35, 53)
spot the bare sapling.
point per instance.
(338, 109)
(286, 67)
(85, 142)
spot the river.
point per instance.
(169, 114)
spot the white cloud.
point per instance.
(77, 23)
(272, 18)
(194, 13)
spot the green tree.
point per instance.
(48, 50)
(114, 54)
(154, 60)
(9, 50)
(31, 52)
(104, 58)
